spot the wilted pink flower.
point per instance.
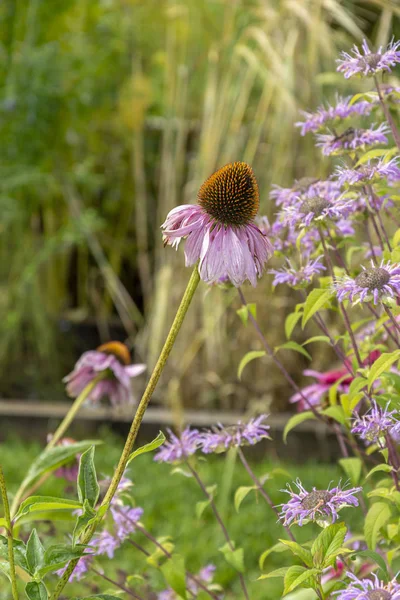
(112, 360)
(316, 391)
(220, 231)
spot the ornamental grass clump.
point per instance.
(335, 242)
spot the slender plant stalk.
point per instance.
(9, 530)
(73, 411)
(141, 409)
(118, 585)
(219, 519)
(388, 116)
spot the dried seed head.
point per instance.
(373, 279)
(379, 595)
(314, 205)
(117, 349)
(316, 499)
(231, 195)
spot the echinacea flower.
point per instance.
(112, 360)
(370, 172)
(219, 230)
(376, 283)
(369, 63)
(351, 140)
(179, 447)
(376, 424)
(320, 506)
(316, 391)
(220, 438)
(298, 278)
(325, 114)
(369, 589)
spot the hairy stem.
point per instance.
(9, 530)
(141, 409)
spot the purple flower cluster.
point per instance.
(376, 423)
(369, 63)
(320, 506)
(370, 173)
(342, 110)
(369, 589)
(352, 139)
(178, 448)
(301, 277)
(311, 209)
(377, 284)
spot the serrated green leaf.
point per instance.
(291, 322)
(88, 487)
(356, 386)
(153, 445)
(56, 556)
(241, 494)
(352, 467)
(48, 504)
(380, 468)
(175, 575)
(382, 364)
(316, 300)
(377, 517)
(326, 545)
(234, 557)
(336, 413)
(275, 548)
(19, 552)
(277, 573)
(248, 358)
(293, 346)
(34, 552)
(297, 576)
(296, 420)
(303, 553)
(36, 591)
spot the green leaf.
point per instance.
(277, 573)
(382, 364)
(353, 468)
(156, 443)
(248, 358)
(279, 547)
(296, 420)
(241, 494)
(304, 554)
(356, 386)
(373, 556)
(368, 96)
(335, 412)
(19, 552)
(35, 504)
(201, 507)
(234, 557)
(326, 546)
(377, 153)
(316, 300)
(377, 517)
(51, 459)
(84, 519)
(175, 575)
(297, 576)
(291, 322)
(244, 311)
(58, 555)
(100, 597)
(317, 338)
(88, 487)
(36, 591)
(34, 552)
(293, 346)
(380, 468)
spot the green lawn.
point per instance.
(169, 502)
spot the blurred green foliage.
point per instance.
(111, 113)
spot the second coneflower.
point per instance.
(220, 231)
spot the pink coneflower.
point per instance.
(112, 360)
(316, 391)
(220, 231)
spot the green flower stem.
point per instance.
(71, 414)
(141, 409)
(9, 529)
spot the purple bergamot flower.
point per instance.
(351, 139)
(220, 438)
(298, 278)
(178, 448)
(340, 111)
(314, 209)
(220, 231)
(369, 173)
(369, 63)
(321, 506)
(377, 284)
(113, 361)
(369, 589)
(376, 424)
